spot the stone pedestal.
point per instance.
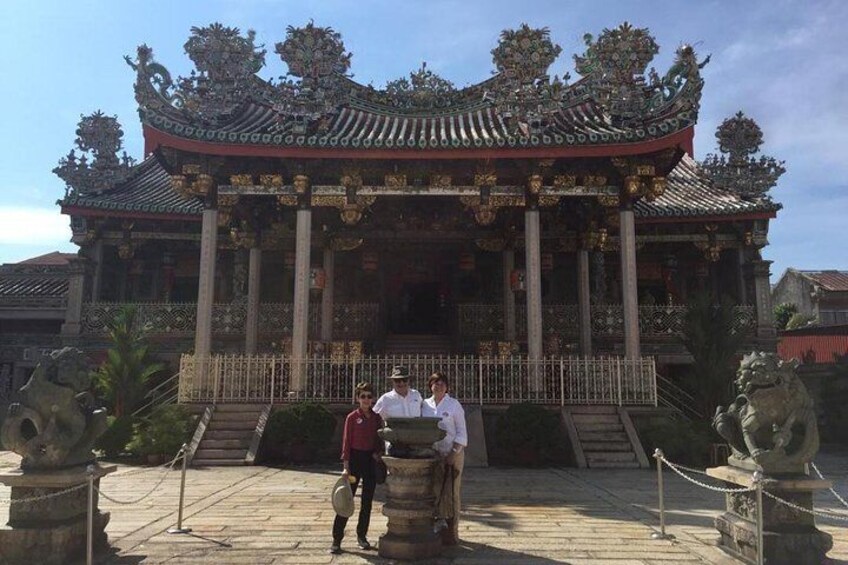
(790, 536)
(410, 508)
(51, 531)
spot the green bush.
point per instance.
(117, 436)
(681, 441)
(529, 435)
(298, 433)
(163, 432)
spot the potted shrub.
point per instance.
(297, 433)
(117, 436)
(529, 434)
(161, 435)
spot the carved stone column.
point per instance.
(740, 274)
(327, 295)
(300, 328)
(508, 294)
(76, 294)
(254, 277)
(97, 278)
(762, 296)
(206, 277)
(629, 296)
(533, 264)
(584, 313)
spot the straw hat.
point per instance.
(343, 498)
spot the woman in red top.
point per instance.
(360, 447)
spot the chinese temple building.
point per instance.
(529, 218)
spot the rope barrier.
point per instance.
(42, 497)
(820, 513)
(165, 468)
(831, 489)
(676, 468)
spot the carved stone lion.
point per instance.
(771, 425)
(56, 420)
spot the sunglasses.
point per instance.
(400, 381)
(364, 396)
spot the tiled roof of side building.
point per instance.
(832, 280)
(33, 286)
(147, 190)
(688, 194)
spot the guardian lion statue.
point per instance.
(771, 425)
(56, 420)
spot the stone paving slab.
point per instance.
(261, 515)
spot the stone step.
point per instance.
(232, 454)
(596, 419)
(593, 427)
(217, 462)
(242, 444)
(613, 464)
(236, 416)
(234, 425)
(602, 436)
(590, 409)
(611, 456)
(228, 434)
(606, 446)
(255, 408)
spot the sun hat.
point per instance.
(399, 372)
(343, 498)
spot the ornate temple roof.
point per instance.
(224, 107)
(689, 193)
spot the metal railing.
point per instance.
(164, 393)
(487, 320)
(553, 380)
(670, 395)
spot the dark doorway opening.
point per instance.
(420, 309)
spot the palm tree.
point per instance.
(123, 376)
(710, 336)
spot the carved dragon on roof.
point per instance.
(522, 93)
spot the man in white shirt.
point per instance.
(401, 401)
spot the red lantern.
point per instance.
(466, 261)
(370, 261)
(547, 260)
(289, 258)
(317, 278)
(518, 280)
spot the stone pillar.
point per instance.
(584, 313)
(762, 297)
(740, 274)
(97, 279)
(300, 329)
(533, 266)
(254, 274)
(327, 296)
(206, 280)
(629, 296)
(76, 293)
(508, 295)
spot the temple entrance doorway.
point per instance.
(420, 309)
(417, 291)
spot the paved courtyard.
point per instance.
(262, 515)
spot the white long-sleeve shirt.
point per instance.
(453, 422)
(393, 405)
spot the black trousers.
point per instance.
(361, 467)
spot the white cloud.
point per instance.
(33, 226)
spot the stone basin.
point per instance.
(412, 437)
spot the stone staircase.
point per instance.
(232, 435)
(603, 438)
(417, 344)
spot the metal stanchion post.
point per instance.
(179, 529)
(89, 541)
(658, 455)
(758, 482)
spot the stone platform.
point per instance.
(52, 530)
(790, 536)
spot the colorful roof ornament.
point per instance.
(101, 137)
(736, 169)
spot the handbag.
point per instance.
(380, 471)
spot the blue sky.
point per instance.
(781, 62)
